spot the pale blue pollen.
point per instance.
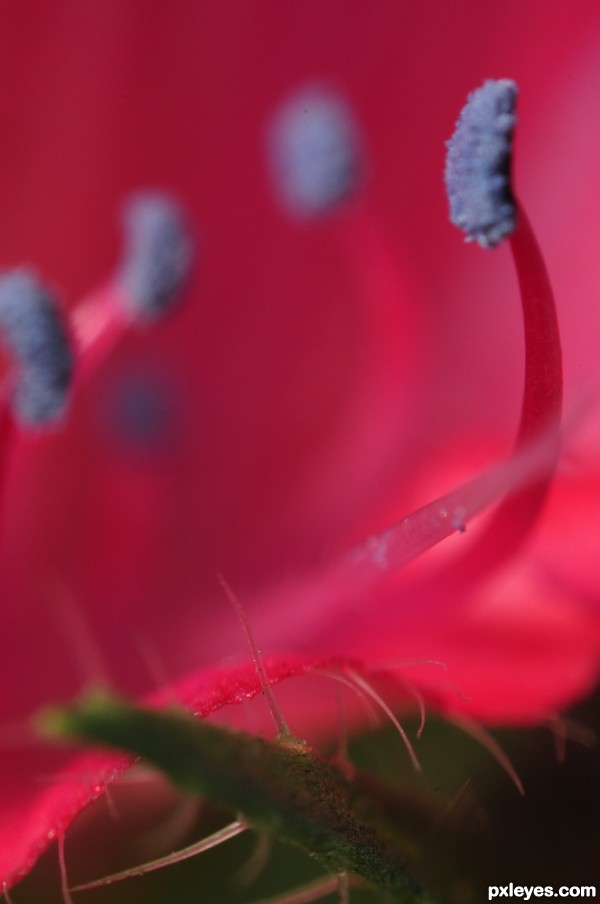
(36, 337)
(478, 164)
(315, 149)
(157, 256)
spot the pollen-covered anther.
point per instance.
(36, 337)
(478, 164)
(314, 147)
(158, 254)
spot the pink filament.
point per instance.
(542, 397)
(540, 409)
(524, 479)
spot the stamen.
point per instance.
(157, 256)
(37, 338)
(481, 203)
(478, 164)
(314, 147)
(542, 394)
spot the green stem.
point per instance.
(282, 788)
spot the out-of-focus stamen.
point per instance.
(36, 337)
(156, 261)
(157, 255)
(314, 148)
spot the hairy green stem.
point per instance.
(283, 788)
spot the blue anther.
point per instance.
(478, 164)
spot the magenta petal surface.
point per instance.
(319, 380)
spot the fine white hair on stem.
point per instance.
(452, 807)
(341, 754)
(64, 881)
(111, 807)
(564, 730)
(154, 665)
(283, 732)
(411, 688)
(367, 702)
(414, 692)
(256, 862)
(198, 847)
(486, 740)
(344, 888)
(173, 829)
(367, 693)
(70, 618)
(372, 693)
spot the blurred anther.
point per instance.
(157, 256)
(36, 337)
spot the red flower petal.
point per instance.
(270, 457)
